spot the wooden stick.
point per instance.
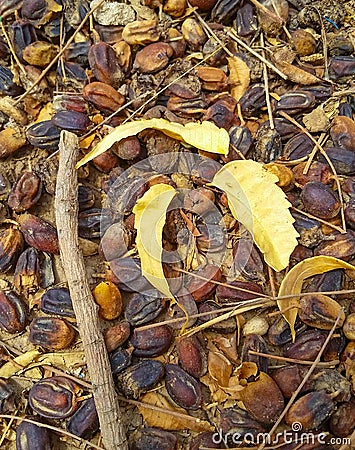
(66, 208)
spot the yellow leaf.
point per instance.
(204, 136)
(239, 77)
(293, 282)
(18, 363)
(150, 215)
(165, 419)
(261, 206)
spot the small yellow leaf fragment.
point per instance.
(239, 77)
(204, 136)
(261, 206)
(293, 282)
(18, 363)
(150, 216)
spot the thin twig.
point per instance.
(266, 84)
(59, 54)
(313, 153)
(330, 225)
(9, 43)
(262, 8)
(304, 381)
(98, 364)
(294, 361)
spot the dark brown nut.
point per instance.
(86, 197)
(241, 142)
(295, 102)
(74, 121)
(11, 245)
(213, 78)
(247, 261)
(304, 42)
(193, 33)
(141, 309)
(38, 233)
(203, 5)
(7, 84)
(298, 147)
(51, 333)
(109, 299)
(117, 335)
(188, 303)
(255, 343)
(334, 348)
(342, 132)
(210, 310)
(154, 438)
(151, 342)
(306, 346)
(120, 359)
(343, 246)
(65, 102)
(127, 274)
(288, 378)
(342, 421)
(204, 171)
(343, 160)
(320, 200)
(105, 65)
(317, 172)
(139, 378)
(263, 399)
(32, 437)
(253, 100)
(235, 291)
(187, 107)
(57, 301)
(207, 439)
(125, 194)
(153, 57)
(341, 66)
(12, 312)
(349, 213)
(141, 32)
(182, 387)
(129, 148)
(349, 327)
(279, 332)
(199, 201)
(27, 275)
(268, 146)
(299, 254)
(328, 281)
(203, 289)
(23, 33)
(311, 410)
(103, 96)
(340, 46)
(89, 223)
(333, 383)
(54, 397)
(175, 8)
(43, 135)
(25, 192)
(115, 242)
(246, 23)
(7, 397)
(106, 162)
(85, 421)
(220, 116)
(348, 186)
(320, 311)
(237, 422)
(268, 23)
(192, 356)
(224, 11)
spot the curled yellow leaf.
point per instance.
(261, 206)
(204, 136)
(239, 77)
(150, 215)
(293, 282)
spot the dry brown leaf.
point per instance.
(218, 394)
(296, 74)
(19, 363)
(239, 77)
(293, 282)
(166, 420)
(219, 368)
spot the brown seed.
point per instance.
(11, 139)
(129, 148)
(151, 342)
(311, 410)
(193, 33)
(11, 245)
(38, 233)
(117, 335)
(263, 399)
(109, 299)
(182, 387)
(306, 346)
(141, 32)
(25, 193)
(199, 201)
(343, 132)
(7, 395)
(203, 5)
(175, 8)
(39, 53)
(32, 437)
(51, 333)
(105, 65)
(342, 247)
(150, 438)
(342, 421)
(192, 356)
(320, 200)
(202, 289)
(304, 42)
(27, 275)
(54, 397)
(115, 242)
(103, 96)
(349, 326)
(288, 378)
(12, 312)
(213, 78)
(139, 378)
(317, 172)
(124, 55)
(85, 421)
(153, 57)
(320, 311)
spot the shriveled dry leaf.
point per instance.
(150, 215)
(63, 360)
(166, 420)
(204, 136)
(296, 74)
(18, 363)
(219, 368)
(218, 395)
(239, 77)
(261, 206)
(293, 282)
